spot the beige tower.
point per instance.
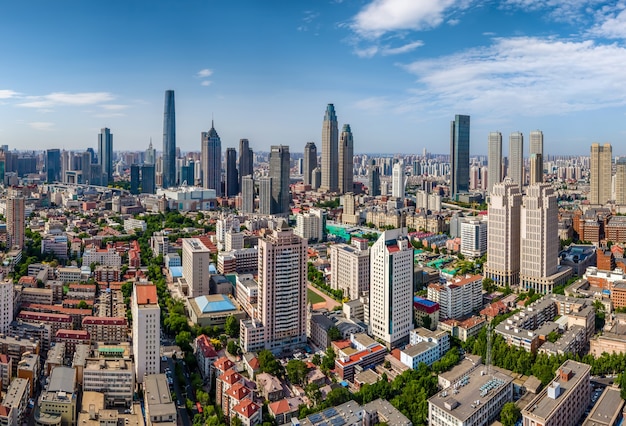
(600, 173)
(15, 220)
(516, 158)
(346, 158)
(330, 141)
(620, 182)
(536, 168)
(503, 234)
(494, 160)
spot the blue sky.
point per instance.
(396, 70)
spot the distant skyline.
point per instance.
(397, 71)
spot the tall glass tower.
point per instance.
(346, 158)
(279, 172)
(212, 160)
(169, 141)
(231, 185)
(459, 154)
(246, 160)
(310, 162)
(330, 154)
(105, 155)
(494, 160)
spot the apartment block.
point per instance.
(459, 297)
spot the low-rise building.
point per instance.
(206, 355)
(270, 387)
(28, 368)
(160, 409)
(212, 310)
(608, 410)
(57, 403)
(361, 351)
(109, 330)
(15, 402)
(45, 296)
(426, 312)
(114, 377)
(425, 346)
(71, 338)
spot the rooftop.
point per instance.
(606, 410)
(214, 303)
(146, 294)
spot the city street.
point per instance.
(183, 416)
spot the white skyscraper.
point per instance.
(397, 180)
(473, 237)
(516, 158)
(146, 330)
(494, 160)
(196, 261)
(391, 288)
(350, 269)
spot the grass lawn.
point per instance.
(314, 297)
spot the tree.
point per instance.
(334, 333)
(232, 348)
(269, 364)
(296, 371)
(183, 340)
(509, 414)
(317, 359)
(232, 326)
(489, 285)
(83, 305)
(328, 360)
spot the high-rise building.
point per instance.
(196, 260)
(536, 147)
(188, 174)
(373, 179)
(350, 269)
(246, 160)
(346, 158)
(134, 179)
(247, 194)
(53, 165)
(397, 180)
(311, 225)
(600, 173)
(105, 155)
(86, 167)
(265, 195)
(6, 305)
(148, 179)
(494, 160)
(231, 185)
(282, 294)
(473, 237)
(539, 238)
(536, 168)
(330, 142)
(169, 141)
(212, 160)
(310, 162)
(391, 288)
(516, 158)
(503, 234)
(15, 219)
(620, 181)
(459, 154)
(146, 330)
(150, 155)
(279, 172)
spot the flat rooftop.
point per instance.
(606, 410)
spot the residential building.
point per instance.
(196, 261)
(425, 346)
(459, 297)
(426, 312)
(146, 324)
(247, 194)
(7, 294)
(361, 352)
(398, 180)
(58, 402)
(15, 217)
(473, 237)
(311, 225)
(349, 269)
(109, 330)
(330, 154)
(113, 374)
(15, 403)
(205, 356)
(600, 173)
(620, 186)
(107, 257)
(459, 154)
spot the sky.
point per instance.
(397, 71)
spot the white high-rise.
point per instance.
(196, 261)
(391, 288)
(494, 160)
(311, 225)
(397, 180)
(146, 330)
(516, 158)
(503, 234)
(6, 305)
(473, 237)
(349, 269)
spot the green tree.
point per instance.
(183, 340)
(510, 414)
(269, 364)
(334, 333)
(232, 326)
(83, 305)
(317, 359)
(232, 348)
(328, 360)
(296, 371)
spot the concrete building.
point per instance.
(107, 257)
(473, 237)
(600, 173)
(391, 288)
(459, 297)
(15, 403)
(346, 159)
(398, 180)
(213, 310)
(353, 414)
(459, 155)
(310, 162)
(608, 410)
(564, 400)
(146, 330)
(279, 173)
(516, 158)
(494, 160)
(58, 402)
(160, 409)
(112, 373)
(425, 346)
(6, 304)
(196, 261)
(311, 225)
(330, 151)
(349, 270)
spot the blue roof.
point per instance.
(423, 301)
(212, 269)
(176, 271)
(219, 303)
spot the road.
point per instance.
(183, 416)
(330, 302)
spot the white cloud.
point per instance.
(453, 22)
(204, 73)
(206, 83)
(558, 10)
(113, 107)
(373, 104)
(387, 50)
(524, 75)
(613, 26)
(382, 16)
(66, 99)
(41, 125)
(8, 94)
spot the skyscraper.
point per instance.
(459, 154)
(310, 162)
(346, 158)
(391, 288)
(188, 173)
(536, 168)
(503, 234)
(516, 158)
(146, 330)
(373, 185)
(86, 166)
(494, 160)
(212, 160)
(53, 165)
(150, 155)
(397, 180)
(15, 219)
(265, 195)
(169, 141)
(600, 173)
(246, 160)
(620, 182)
(279, 172)
(330, 142)
(148, 179)
(134, 178)
(231, 186)
(247, 194)
(536, 147)
(105, 155)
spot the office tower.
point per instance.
(15, 219)
(265, 195)
(539, 238)
(310, 162)
(282, 294)
(134, 179)
(7, 294)
(473, 237)
(494, 160)
(105, 155)
(279, 172)
(146, 330)
(459, 154)
(391, 288)
(373, 180)
(346, 158)
(620, 181)
(150, 155)
(503, 234)
(600, 173)
(330, 142)
(196, 260)
(350, 269)
(536, 168)
(148, 179)
(212, 160)
(188, 174)
(169, 141)
(516, 158)
(53, 165)
(231, 185)
(246, 160)
(397, 180)
(247, 194)
(536, 147)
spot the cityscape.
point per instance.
(344, 257)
